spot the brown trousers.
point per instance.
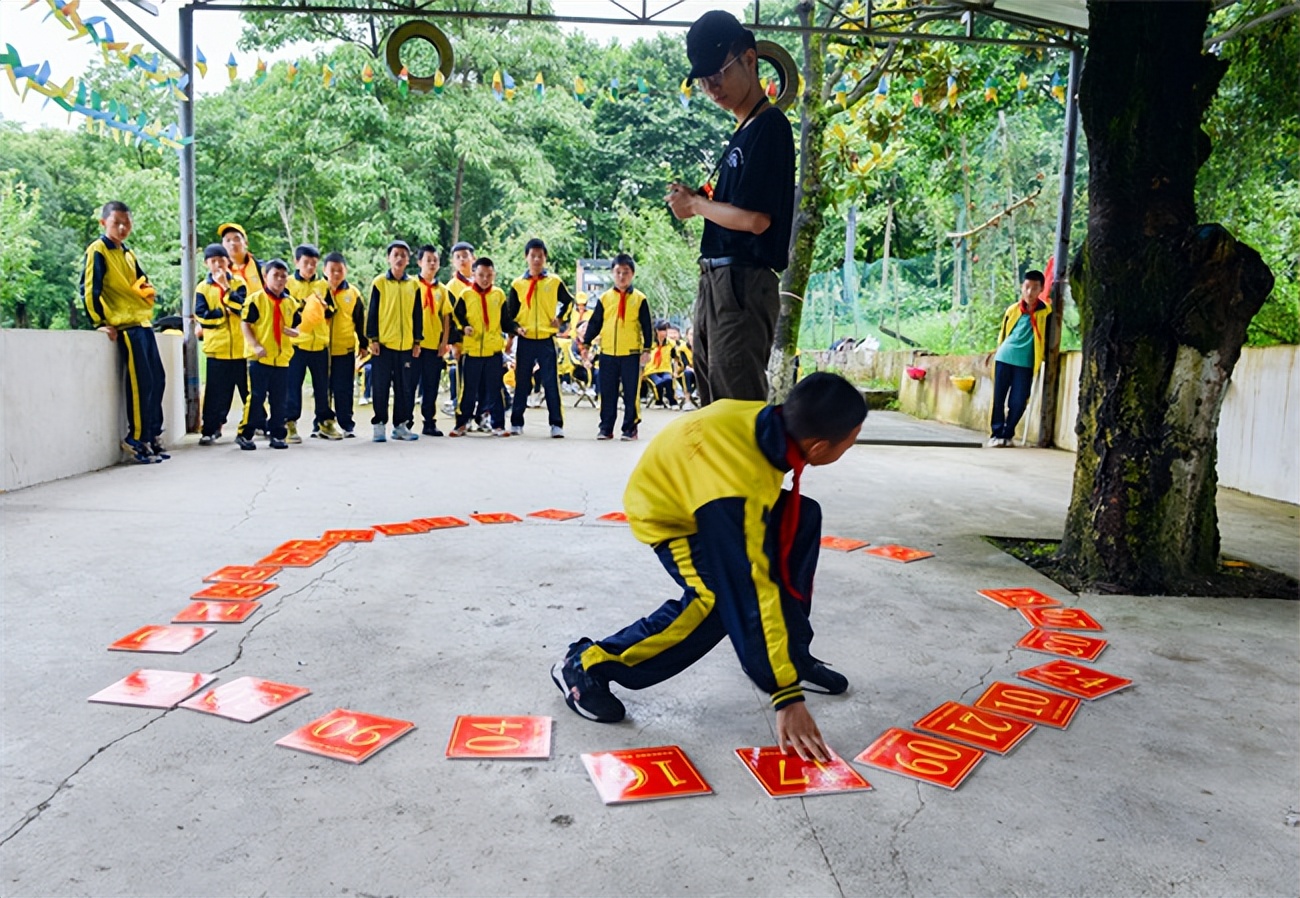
(735, 322)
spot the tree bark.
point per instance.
(1164, 304)
(809, 200)
(455, 205)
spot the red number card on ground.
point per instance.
(1059, 618)
(162, 639)
(216, 612)
(924, 758)
(899, 553)
(787, 776)
(614, 517)
(442, 523)
(1085, 682)
(500, 737)
(843, 544)
(242, 573)
(555, 514)
(403, 528)
(228, 591)
(245, 699)
(644, 774)
(497, 517)
(1034, 705)
(975, 726)
(346, 735)
(364, 535)
(294, 557)
(1054, 642)
(306, 545)
(1018, 598)
(146, 688)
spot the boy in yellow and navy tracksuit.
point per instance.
(621, 322)
(218, 304)
(394, 327)
(311, 348)
(537, 302)
(347, 324)
(483, 318)
(435, 305)
(119, 300)
(242, 263)
(1020, 353)
(270, 321)
(461, 280)
(707, 496)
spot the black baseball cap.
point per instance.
(215, 251)
(710, 40)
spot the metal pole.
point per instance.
(188, 239)
(1069, 153)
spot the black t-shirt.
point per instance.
(757, 174)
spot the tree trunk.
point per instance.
(455, 206)
(1164, 303)
(809, 200)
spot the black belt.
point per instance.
(724, 262)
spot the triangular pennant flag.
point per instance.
(327, 75)
(232, 68)
(403, 82)
(580, 88)
(498, 87)
(613, 89)
(368, 78)
(539, 87)
(292, 72)
(882, 91)
(259, 74)
(684, 93)
(438, 82)
(509, 84)
(200, 62)
(643, 89)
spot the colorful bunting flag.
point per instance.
(613, 89)
(292, 73)
(259, 74)
(580, 88)
(326, 76)
(232, 68)
(990, 89)
(1058, 87)
(438, 82)
(642, 89)
(952, 92)
(684, 93)
(200, 62)
(539, 87)
(1022, 84)
(882, 90)
(403, 82)
(498, 87)
(509, 86)
(368, 78)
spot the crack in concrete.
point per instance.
(830, 868)
(894, 853)
(35, 812)
(252, 503)
(984, 676)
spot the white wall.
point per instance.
(1259, 425)
(61, 403)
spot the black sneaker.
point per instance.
(207, 439)
(139, 452)
(431, 430)
(587, 696)
(831, 682)
(156, 449)
(278, 443)
(602, 435)
(244, 442)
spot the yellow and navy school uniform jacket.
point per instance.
(108, 286)
(621, 322)
(715, 476)
(218, 308)
(536, 301)
(394, 317)
(260, 312)
(318, 337)
(250, 273)
(349, 320)
(684, 354)
(488, 314)
(563, 359)
(662, 356)
(434, 304)
(1039, 323)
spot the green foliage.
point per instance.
(19, 210)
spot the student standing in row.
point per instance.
(311, 348)
(346, 327)
(462, 279)
(621, 322)
(483, 318)
(537, 302)
(435, 305)
(218, 304)
(270, 321)
(242, 263)
(394, 327)
(119, 300)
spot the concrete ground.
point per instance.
(1180, 785)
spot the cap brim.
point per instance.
(231, 226)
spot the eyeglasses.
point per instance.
(716, 78)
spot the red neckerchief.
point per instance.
(222, 298)
(622, 302)
(277, 318)
(428, 295)
(533, 281)
(1033, 322)
(659, 349)
(482, 297)
(790, 519)
(243, 269)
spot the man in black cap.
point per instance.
(748, 216)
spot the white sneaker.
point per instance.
(557, 432)
(993, 443)
(516, 430)
(402, 432)
(1007, 444)
(380, 435)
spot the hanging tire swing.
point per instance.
(418, 29)
(787, 73)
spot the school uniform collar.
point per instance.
(211, 280)
(299, 277)
(528, 277)
(773, 441)
(343, 285)
(110, 243)
(463, 279)
(273, 295)
(389, 274)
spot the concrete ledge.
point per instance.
(62, 411)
